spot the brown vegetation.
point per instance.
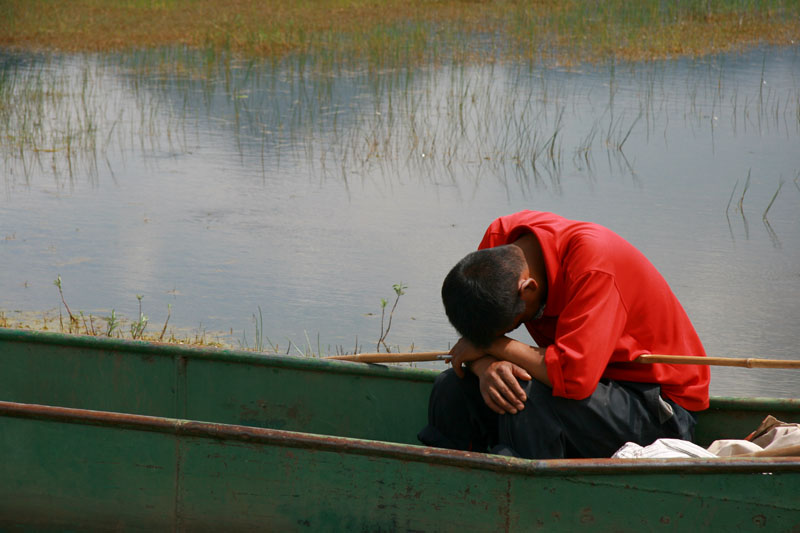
(386, 30)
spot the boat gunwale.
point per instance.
(403, 452)
(154, 348)
(310, 364)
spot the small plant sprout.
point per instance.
(137, 327)
(73, 320)
(164, 329)
(112, 323)
(259, 323)
(86, 325)
(399, 290)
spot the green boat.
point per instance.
(108, 434)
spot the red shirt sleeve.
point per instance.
(586, 333)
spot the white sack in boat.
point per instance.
(662, 449)
(772, 435)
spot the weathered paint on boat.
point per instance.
(239, 387)
(232, 387)
(131, 435)
(85, 470)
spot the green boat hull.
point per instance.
(103, 434)
(231, 387)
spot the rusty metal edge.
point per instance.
(151, 348)
(403, 452)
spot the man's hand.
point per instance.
(500, 387)
(462, 352)
(530, 360)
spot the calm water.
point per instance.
(221, 189)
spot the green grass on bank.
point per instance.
(392, 31)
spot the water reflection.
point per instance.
(222, 186)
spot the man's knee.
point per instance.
(455, 418)
(535, 432)
(446, 380)
(448, 385)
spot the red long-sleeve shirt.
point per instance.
(606, 305)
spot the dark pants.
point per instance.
(551, 427)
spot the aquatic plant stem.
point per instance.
(164, 329)
(780, 184)
(399, 289)
(57, 283)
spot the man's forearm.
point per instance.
(531, 358)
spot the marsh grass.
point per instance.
(282, 66)
(42, 124)
(112, 325)
(304, 349)
(394, 32)
(116, 325)
(66, 116)
(464, 125)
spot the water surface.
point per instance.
(223, 188)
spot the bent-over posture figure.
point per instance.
(593, 303)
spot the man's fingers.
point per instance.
(507, 404)
(512, 389)
(520, 373)
(515, 391)
(501, 389)
(495, 401)
(493, 406)
(510, 398)
(459, 370)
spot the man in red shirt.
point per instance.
(593, 303)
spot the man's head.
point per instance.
(481, 294)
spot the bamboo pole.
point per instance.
(750, 362)
(412, 357)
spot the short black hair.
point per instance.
(480, 294)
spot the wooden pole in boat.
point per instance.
(749, 362)
(412, 357)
